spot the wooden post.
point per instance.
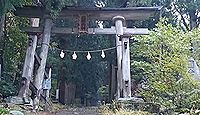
(29, 60)
(113, 83)
(62, 85)
(126, 68)
(119, 31)
(48, 91)
(43, 56)
(47, 87)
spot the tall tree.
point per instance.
(2, 23)
(161, 59)
(188, 10)
(11, 44)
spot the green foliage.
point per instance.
(140, 3)
(187, 5)
(14, 47)
(54, 6)
(190, 9)
(181, 12)
(194, 36)
(7, 89)
(87, 75)
(3, 111)
(162, 59)
(103, 92)
(113, 110)
(9, 5)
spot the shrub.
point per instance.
(3, 111)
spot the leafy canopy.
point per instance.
(161, 60)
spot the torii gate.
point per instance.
(118, 15)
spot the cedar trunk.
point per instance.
(2, 22)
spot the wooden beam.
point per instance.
(131, 13)
(39, 61)
(34, 89)
(29, 60)
(113, 83)
(43, 55)
(105, 31)
(47, 87)
(126, 68)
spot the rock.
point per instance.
(137, 99)
(131, 99)
(15, 112)
(14, 100)
(137, 103)
(18, 100)
(28, 101)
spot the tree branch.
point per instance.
(182, 18)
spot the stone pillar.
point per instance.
(119, 31)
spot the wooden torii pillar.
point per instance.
(123, 59)
(29, 61)
(43, 56)
(119, 31)
(126, 75)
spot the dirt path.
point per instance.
(79, 111)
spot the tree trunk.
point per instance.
(2, 22)
(43, 56)
(193, 24)
(193, 19)
(29, 61)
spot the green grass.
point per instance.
(105, 110)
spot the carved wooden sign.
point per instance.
(82, 24)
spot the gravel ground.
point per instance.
(79, 111)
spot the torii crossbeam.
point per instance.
(130, 13)
(118, 15)
(100, 31)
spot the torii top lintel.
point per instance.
(130, 13)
